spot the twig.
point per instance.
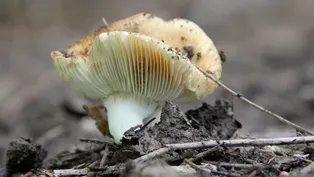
(145, 125)
(238, 95)
(244, 142)
(131, 131)
(106, 25)
(237, 165)
(70, 172)
(93, 164)
(78, 166)
(136, 129)
(107, 170)
(104, 21)
(151, 155)
(227, 143)
(95, 141)
(210, 171)
(203, 154)
(104, 157)
(253, 173)
(196, 167)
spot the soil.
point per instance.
(209, 122)
(23, 155)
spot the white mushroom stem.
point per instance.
(125, 112)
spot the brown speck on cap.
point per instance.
(181, 26)
(223, 57)
(177, 49)
(191, 30)
(199, 55)
(183, 38)
(189, 51)
(162, 41)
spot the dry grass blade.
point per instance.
(299, 128)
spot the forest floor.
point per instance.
(213, 124)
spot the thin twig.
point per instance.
(237, 165)
(203, 154)
(244, 142)
(193, 165)
(70, 172)
(104, 21)
(95, 141)
(210, 75)
(145, 125)
(104, 157)
(227, 143)
(93, 164)
(151, 155)
(253, 173)
(131, 131)
(196, 167)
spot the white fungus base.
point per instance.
(126, 112)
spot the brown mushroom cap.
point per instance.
(134, 65)
(168, 39)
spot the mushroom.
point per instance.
(135, 65)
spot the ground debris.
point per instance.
(203, 124)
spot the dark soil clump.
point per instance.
(178, 127)
(218, 119)
(23, 155)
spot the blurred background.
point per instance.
(269, 47)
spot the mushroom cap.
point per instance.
(142, 55)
